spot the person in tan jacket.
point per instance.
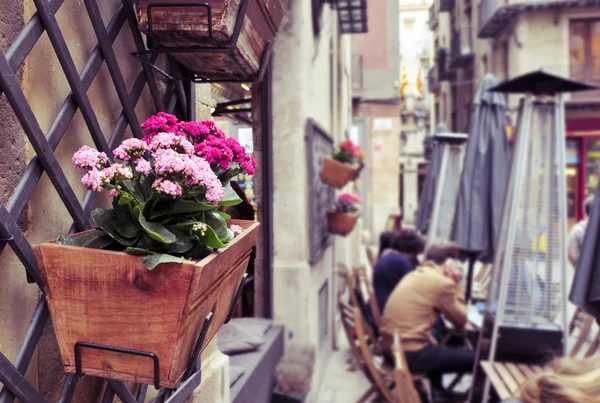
(415, 306)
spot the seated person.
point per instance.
(416, 304)
(385, 242)
(393, 266)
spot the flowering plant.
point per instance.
(167, 191)
(348, 152)
(346, 203)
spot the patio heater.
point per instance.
(452, 156)
(525, 316)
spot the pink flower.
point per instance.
(142, 166)
(170, 141)
(161, 122)
(87, 157)
(351, 197)
(236, 229)
(130, 149)
(197, 130)
(92, 180)
(198, 172)
(117, 172)
(113, 193)
(169, 162)
(167, 187)
(248, 164)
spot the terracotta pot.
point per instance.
(338, 174)
(187, 26)
(341, 223)
(109, 298)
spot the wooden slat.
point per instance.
(528, 372)
(582, 337)
(507, 377)
(496, 381)
(536, 368)
(516, 372)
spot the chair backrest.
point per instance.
(583, 322)
(349, 325)
(405, 387)
(360, 273)
(357, 300)
(484, 274)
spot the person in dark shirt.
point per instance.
(393, 266)
(385, 242)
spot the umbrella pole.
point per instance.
(472, 259)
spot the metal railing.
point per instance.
(461, 47)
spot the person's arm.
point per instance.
(451, 305)
(573, 246)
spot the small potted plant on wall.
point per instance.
(159, 261)
(344, 164)
(342, 217)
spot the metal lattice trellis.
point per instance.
(180, 100)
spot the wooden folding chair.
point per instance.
(507, 377)
(405, 384)
(381, 377)
(360, 274)
(481, 282)
(371, 256)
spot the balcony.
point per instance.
(433, 83)
(461, 48)
(494, 15)
(433, 17)
(444, 73)
(446, 5)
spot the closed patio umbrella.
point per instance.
(484, 176)
(585, 291)
(427, 196)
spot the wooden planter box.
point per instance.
(187, 26)
(109, 298)
(341, 223)
(338, 174)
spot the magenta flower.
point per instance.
(92, 180)
(215, 151)
(89, 158)
(236, 229)
(161, 122)
(142, 166)
(197, 130)
(130, 149)
(167, 187)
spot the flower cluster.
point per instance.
(347, 203)
(348, 152)
(236, 229)
(89, 158)
(206, 140)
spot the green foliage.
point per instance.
(158, 227)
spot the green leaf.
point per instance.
(155, 230)
(96, 239)
(217, 223)
(182, 244)
(126, 226)
(228, 237)
(138, 251)
(125, 198)
(151, 261)
(211, 239)
(231, 198)
(105, 219)
(181, 207)
(199, 251)
(224, 215)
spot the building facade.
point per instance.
(512, 38)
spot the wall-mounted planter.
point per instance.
(217, 40)
(109, 298)
(338, 174)
(341, 223)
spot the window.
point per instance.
(584, 43)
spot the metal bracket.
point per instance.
(227, 49)
(121, 350)
(236, 297)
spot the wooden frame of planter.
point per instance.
(234, 37)
(341, 223)
(338, 174)
(109, 298)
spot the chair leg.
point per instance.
(365, 396)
